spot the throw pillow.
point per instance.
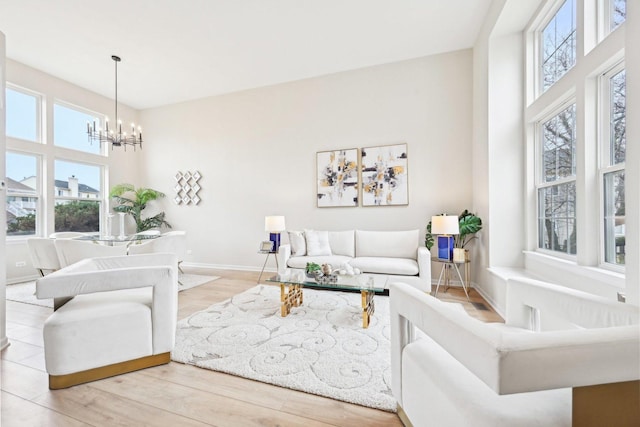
(317, 243)
(298, 244)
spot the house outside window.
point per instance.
(23, 195)
(78, 201)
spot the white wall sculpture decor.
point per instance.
(187, 187)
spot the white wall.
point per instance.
(256, 151)
(121, 166)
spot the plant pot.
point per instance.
(460, 255)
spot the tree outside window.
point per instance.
(559, 44)
(614, 174)
(557, 190)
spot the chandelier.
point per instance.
(115, 137)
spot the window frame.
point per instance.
(539, 175)
(102, 200)
(605, 163)
(98, 118)
(40, 212)
(539, 47)
(40, 107)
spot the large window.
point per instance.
(556, 187)
(23, 115)
(559, 44)
(613, 164)
(77, 196)
(578, 134)
(70, 129)
(23, 195)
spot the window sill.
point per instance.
(591, 279)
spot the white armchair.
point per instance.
(122, 317)
(562, 356)
(44, 256)
(71, 251)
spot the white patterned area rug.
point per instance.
(319, 348)
(25, 292)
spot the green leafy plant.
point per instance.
(133, 201)
(469, 224)
(312, 267)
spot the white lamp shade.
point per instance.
(274, 224)
(445, 224)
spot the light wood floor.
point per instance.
(173, 394)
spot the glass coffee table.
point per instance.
(291, 290)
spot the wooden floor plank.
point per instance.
(197, 404)
(17, 412)
(101, 408)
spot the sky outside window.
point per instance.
(21, 115)
(70, 129)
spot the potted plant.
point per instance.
(312, 270)
(133, 201)
(469, 225)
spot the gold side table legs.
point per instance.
(368, 307)
(290, 296)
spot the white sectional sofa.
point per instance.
(562, 358)
(386, 255)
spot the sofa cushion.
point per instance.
(393, 244)
(401, 266)
(301, 261)
(342, 243)
(98, 329)
(317, 243)
(298, 243)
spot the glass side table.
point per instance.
(275, 255)
(446, 272)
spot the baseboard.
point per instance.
(227, 267)
(4, 343)
(489, 301)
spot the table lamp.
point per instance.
(274, 225)
(445, 226)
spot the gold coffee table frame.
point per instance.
(291, 294)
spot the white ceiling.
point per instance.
(177, 50)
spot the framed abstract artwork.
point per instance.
(337, 180)
(385, 175)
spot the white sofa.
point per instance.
(385, 255)
(562, 356)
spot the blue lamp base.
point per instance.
(275, 238)
(445, 248)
